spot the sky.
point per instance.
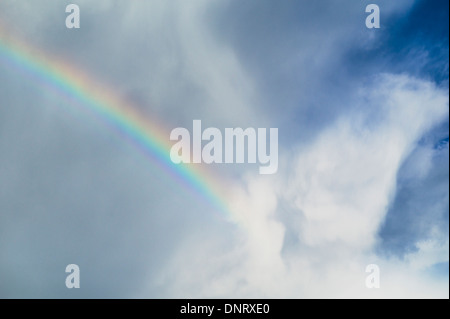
(363, 131)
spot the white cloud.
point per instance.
(430, 251)
(307, 232)
(338, 193)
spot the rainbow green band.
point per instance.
(142, 131)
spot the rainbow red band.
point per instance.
(142, 131)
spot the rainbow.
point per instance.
(120, 115)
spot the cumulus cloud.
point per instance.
(312, 231)
(360, 180)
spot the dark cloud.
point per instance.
(73, 191)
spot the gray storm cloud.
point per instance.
(350, 147)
